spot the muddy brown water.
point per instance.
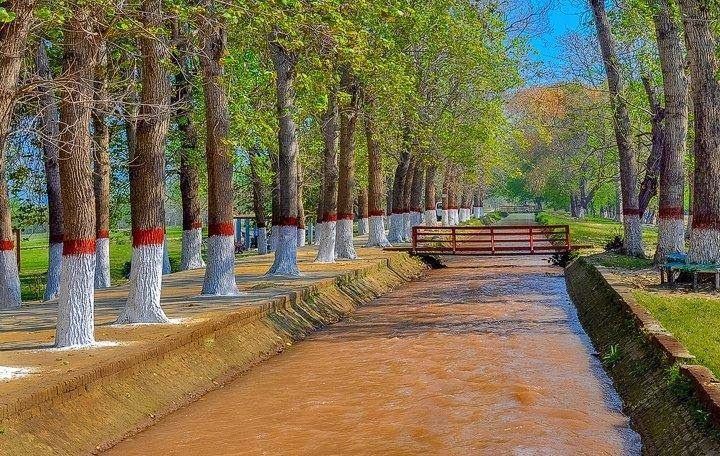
(485, 356)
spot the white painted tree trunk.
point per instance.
(220, 269)
(376, 232)
(143, 303)
(453, 218)
(363, 226)
(76, 301)
(9, 281)
(325, 233)
(415, 220)
(301, 237)
(633, 235)
(262, 241)
(52, 287)
(704, 246)
(166, 269)
(344, 247)
(407, 227)
(102, 263)
(396, 234)
(478, 212)
(671, 237)
(285, 264)
(191, 257)
(429, 218)
(445, 217)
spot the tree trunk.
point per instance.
(453, 215)
(75, 322)
(147, 177)
(446, 197)
(416, 192)
(430, 216)
(50, 127)
(101, 140)
(478, 204)
(344, 248)
(191, 256)
(258, 199)
(705, 88)
(396, 233)
(13, 39)
(220, 270)
(285, 263)
(327, 216)
(406, 194)
(376, 228)
(300, 208)
(671, 226)
(628, 154)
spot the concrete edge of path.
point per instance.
(647, 352)
(93, 408)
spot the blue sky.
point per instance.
(563, 16)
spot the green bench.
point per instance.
(677, 263)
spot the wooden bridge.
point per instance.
(491, 240)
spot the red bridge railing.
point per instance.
(491, 240)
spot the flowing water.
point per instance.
(485, 356)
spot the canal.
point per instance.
(485, 356)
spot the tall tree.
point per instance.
(190, 257)
(50, 135)
(13, 40)
(671, 228)
(75, 322)
(705, 88)
(101, 142)
(344, 248)
(220, 271)
(285, 61)
(147, 174)
(376, 228)
(327, 215)
(430, 216)
(628, 155)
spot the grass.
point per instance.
(594, 231)
(34, 259)
(487, 219)
(692, 318)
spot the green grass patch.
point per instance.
(594, 231)
(693, 319)
(615, 260)
(34, 259)
(487, 219)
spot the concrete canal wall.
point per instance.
(651, 370)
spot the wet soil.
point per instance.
(485, 356)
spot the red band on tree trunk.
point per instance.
(329, 217)
(195, 225)
(152, 236)
(376, 213)
(78, 246)
(221, 229)
(56, 239)
(287, 221)
(7, 245)
(706, 221)
(103, 234)
(674, 213)
(417, 209)
(343, 216)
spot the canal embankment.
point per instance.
(673, 402)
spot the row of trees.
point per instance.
(620, 131)
(142, 93)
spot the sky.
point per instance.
(562, 16)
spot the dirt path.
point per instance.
(483, 357)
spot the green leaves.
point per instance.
(5, 15)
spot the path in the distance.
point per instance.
(485, 356)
